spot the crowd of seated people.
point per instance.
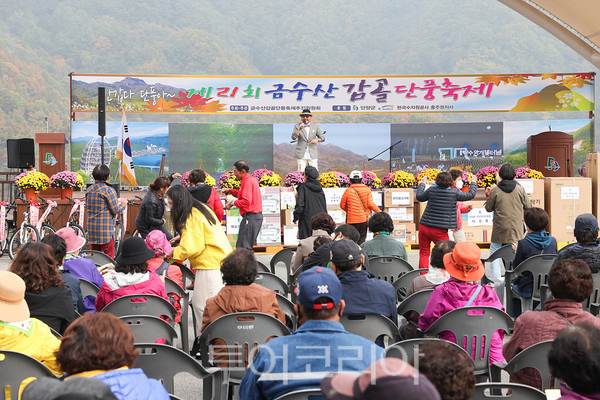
(40, 299)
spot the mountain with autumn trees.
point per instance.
(44, 41)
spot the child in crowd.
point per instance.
(157, 241)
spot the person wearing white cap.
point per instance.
(307, 135)
(19, 332)
(358, 203)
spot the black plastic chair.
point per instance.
(262, 267)
(15, 367)
(148, 329)
(187, 274)
(535, 356)
(88, 288)
(273, 282)
(485, 391)
(506, 253)
(403, 283)
(152, 305)
(371, 326)
(388, 268)
(163, 362)
(415, 302)
(173, 287)
(283, 256)
(407, 349)
(304, 394)
(539, 266)
(288, 309)
(242, 333)
(98, 257)
(477, 329)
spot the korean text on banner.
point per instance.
(126, 171)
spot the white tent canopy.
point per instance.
(575, 22)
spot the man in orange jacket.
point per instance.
(358, 203)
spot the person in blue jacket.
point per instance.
(537, 241)
(320, 345)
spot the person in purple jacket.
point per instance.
(462, 290)
(80, 267)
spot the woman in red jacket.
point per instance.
(131, 274)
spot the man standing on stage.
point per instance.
(249, 201)
(308, 135)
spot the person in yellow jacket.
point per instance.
(20, 333)
(203, 243)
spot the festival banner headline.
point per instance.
(335, 94)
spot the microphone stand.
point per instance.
(389, 148)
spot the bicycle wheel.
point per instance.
(21, 236)
(4, 243)
(119, 231)
(46, 230)
(78, 230)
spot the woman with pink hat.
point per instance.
(80, 267)
(158, 243)
(462, 290)
(19, 332)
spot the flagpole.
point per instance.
(121, 137)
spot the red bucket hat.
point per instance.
(464, 263)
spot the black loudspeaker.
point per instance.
(21, 153)
(101, 111)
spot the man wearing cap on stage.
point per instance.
(319, 346)
(308, 135)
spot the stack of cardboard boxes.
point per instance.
(566, 198)
(270, 231)
(399, 204)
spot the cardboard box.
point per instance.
(481, 235)
(377, 197)
(400, 214)
(339, 216)
(405, 233)
(535, 191)
(398, 197)
(287, 217)
(478, 217)
(288, 198)
(333, 196)
(592, 167)
(271, 199)
(565, 199)
(270, 231)
(232, 221)
(290, 235)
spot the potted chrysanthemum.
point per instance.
(267, 178)
(31, 182)
(66, 181)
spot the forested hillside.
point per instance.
(43, 41)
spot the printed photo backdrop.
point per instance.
(443, 146)
(149, 141)
(347, 147)
(216, 147)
